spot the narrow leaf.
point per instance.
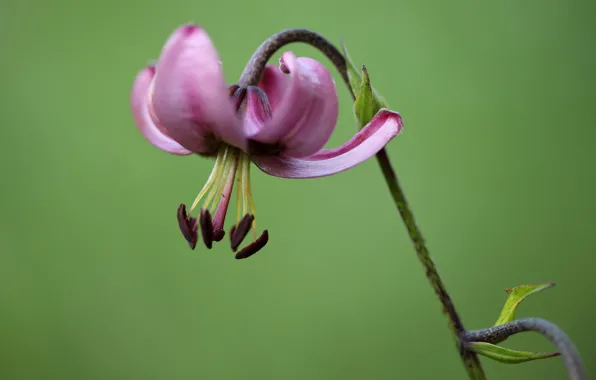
(516, 296)
(505, 355)
(355, 79)
(353, 75)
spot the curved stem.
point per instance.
(552, 332)
(254, 68)
(251, 76)
(470, 359)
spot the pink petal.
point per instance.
(274, 83)
(139, 100)
(190, 96)
(305, 117)
(258, 109)
(371, 139)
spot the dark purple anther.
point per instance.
(206, 227)
(218, 235)
(253, 247)
(188, 226)
(239, 231)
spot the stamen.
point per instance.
(219, 178)
(224, 197)
(239, 192)
(239, 231)
(206, 227)
(245, 178)
(218, 189)
(251, 201)
(247, 201)
(218, 234)
(253, 247)
(210, 180)
(188, 226)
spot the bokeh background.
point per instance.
(496, 159)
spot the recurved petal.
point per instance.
(365, 144)
(139, 100)
(190, 96)
(305, 116)
(362, 136)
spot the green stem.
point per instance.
(470, 359)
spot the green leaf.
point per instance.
(505, 355)
(363, 106)
(516, 296)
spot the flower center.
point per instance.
(231, 165)
(220, 182)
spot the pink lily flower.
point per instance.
(182, 105)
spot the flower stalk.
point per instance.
(470, 342)
(469, 358)
(252, 74)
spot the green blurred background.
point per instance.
(97, 283)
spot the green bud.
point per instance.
(507, 356)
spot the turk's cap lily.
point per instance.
(183, 105)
